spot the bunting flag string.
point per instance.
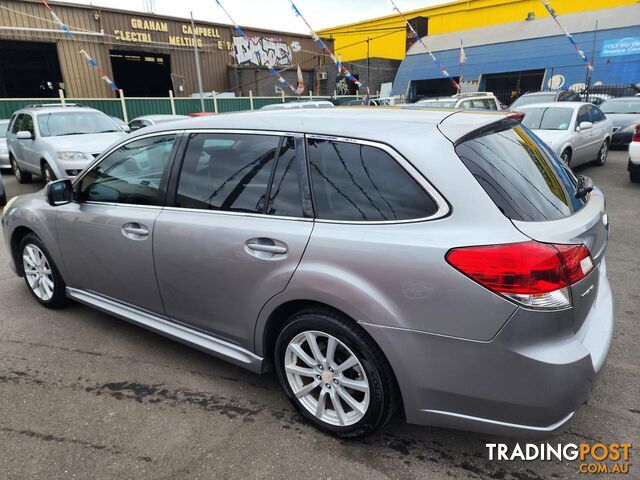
(272, 70)
(323, 46)
(443, 70)
(573, 42)
(90, 61)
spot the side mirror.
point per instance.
(126, 128)
(585, 126)
(24, 135)
(59, 192)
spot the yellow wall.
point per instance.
(387, 34)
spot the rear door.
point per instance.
(586, 146)
(538, 193)
(235, 232)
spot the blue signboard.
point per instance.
(620, 46)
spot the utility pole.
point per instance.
(368, 63)
(591, 65)
(197, 58)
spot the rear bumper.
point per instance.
(528, 381)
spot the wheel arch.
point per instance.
(17, 236)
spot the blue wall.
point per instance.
(549, 52)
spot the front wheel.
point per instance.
(565, 156)
(602, 154)
(21, 177)
(41, 274)
(47, 173)
(334, 374)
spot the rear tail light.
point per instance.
(536, 275)
(636, 135)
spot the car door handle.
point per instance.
(261, 247)
(134, 231)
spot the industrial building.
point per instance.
(145, 54)
(511, 46)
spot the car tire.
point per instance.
(47, 174)
(44, 282)
(365, 394)
(602, 154)
(634, 175)
(21, 176)
(565, 156)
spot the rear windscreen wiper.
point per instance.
(585, 185)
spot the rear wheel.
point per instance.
(602, 154)
(41, 274)
(47, 174)
(565, 156)
(334, 374)
(21, 176)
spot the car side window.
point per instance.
(27, 124)
(354, 182)
(583, 116)
(284, 196)
(130, 174)
(15, 126)
(490, 104)
(596, 114)
(465, 104)
(224, 171)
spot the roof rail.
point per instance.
(47, 105)
(474, 94)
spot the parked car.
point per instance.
(462, 276)
(374, 101)
(124, 126)
(301, 104)
(3, 194)
(625, 114)
(476, 100)
(595, 98)
(545, 97)
(634, 156)
(56, 141)
(4, 150)
(149, 120)
(577, 132)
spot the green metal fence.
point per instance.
(136, 107)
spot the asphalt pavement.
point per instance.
(85, 395)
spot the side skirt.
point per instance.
(194, 338)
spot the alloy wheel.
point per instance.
(38, 272)
(604, 150)
(16, 170)
(327, 378)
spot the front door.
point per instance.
(236, 232)
(107, 236)
(586, 147)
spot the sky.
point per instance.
(272, 14)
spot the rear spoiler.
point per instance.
(460, 127)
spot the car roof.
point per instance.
(159, 117)
(542, 92)
(624, 99)
(40, 110)
(381, 124)
(572, 105)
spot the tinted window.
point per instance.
(284, 196)
(17, 124)
(359, 183)
(227, 172)
(583, 116)
(547, 118)
(626, 105)
(131, 174)
(24, 122)
(596, 114)
(521, 176)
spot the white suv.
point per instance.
(464, 101)
(56, 141)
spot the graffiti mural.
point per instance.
(261, 51)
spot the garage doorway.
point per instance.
(435, 87)
(510, 85)
(141, 74)
(29, 70)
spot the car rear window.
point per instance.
(522, 176)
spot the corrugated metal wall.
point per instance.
(83, 81)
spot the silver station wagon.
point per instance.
(445, 262)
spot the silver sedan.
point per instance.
(577, 132)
